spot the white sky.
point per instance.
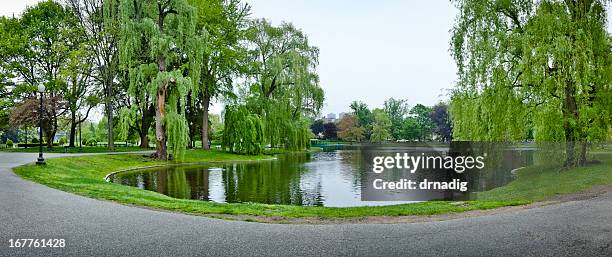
(369, 50)
(373, 50)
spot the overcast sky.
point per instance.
(369, 50)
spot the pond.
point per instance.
(327, 178)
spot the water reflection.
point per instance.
(327, 178)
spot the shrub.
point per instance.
(92, 142)
(35, 140)
(62, 141)
(9, 143)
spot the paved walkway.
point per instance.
(98, 228)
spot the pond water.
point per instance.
(328, 178)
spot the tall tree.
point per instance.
(166, 31)
(100, 21)
(422, 116)
(542, 64)
(364, 116)
(8, 28)
(397, 110)
(39, 51)
(411, 129)
(442, 126)
(223, 24)
(381, 127)
(286, 86)
(79, 92)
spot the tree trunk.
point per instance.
(109, 111)
(583, 153)
(144, 132)
(144, 141)
(73, 125)
(26, 137)
(144, 127)
(162, 151)
(570, 112)
(160, 113)
(190, 116)
(49, 134)
(205, 106)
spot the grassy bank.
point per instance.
(85, 149)
(542, 183)
(84, 176)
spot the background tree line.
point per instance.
(394, 122)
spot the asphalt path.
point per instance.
(101, 228)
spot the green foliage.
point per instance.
(177, 133)
(364, 117)
(243, 131)
(92, 142)
(9, 143)
(62, 141)
(397, 109)
(381, 126)
(410, 129)
(543, 66)
(41, 46)
(101, 133)
(422, 116)
(159, 47)
(221, 25)
(88, 130)
(284, 88)
(128, 117)
(216, 127)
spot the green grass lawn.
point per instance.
(540, 183)
(85, 176)
(86, 149)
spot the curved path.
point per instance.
(100, 228)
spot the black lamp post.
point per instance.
(41, 160)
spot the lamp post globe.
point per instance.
(40, 160)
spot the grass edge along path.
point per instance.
(84, 176)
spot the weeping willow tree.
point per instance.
(243, 132)
(540, 66)
(161, 34)
(285, 87)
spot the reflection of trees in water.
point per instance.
(177, 183)
(269, 182)
(170, 181)
(265, 182)
(354, 160)
(198, 179)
